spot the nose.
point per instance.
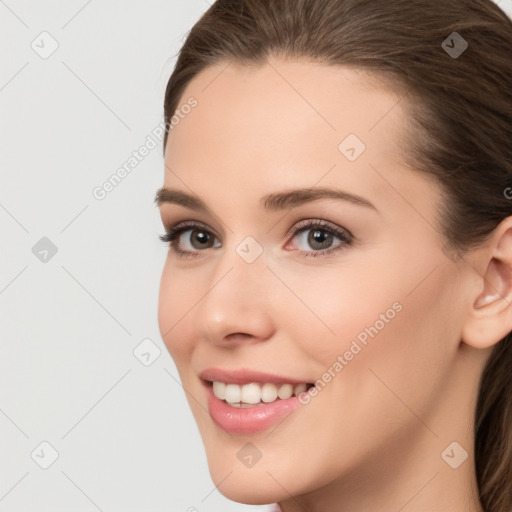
(236, 307)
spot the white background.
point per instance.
(125, 437)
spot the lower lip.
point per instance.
(248, 420)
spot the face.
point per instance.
(350, 292)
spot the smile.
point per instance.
(255, 394)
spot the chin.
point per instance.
(250, 486)
(248, 492)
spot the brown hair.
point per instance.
(460, 109)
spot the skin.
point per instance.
(372, 438)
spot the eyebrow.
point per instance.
(271, 202)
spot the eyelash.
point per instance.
(172, 233)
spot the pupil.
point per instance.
(320, 237)
(200, 237)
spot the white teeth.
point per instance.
(268, 393)
(233, 393)
(285, 391)
(252, 394)
(219, 388)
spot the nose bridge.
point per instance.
(237, 299)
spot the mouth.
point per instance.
(252, 407)
(255, 394)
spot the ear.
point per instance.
(490, 316)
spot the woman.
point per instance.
(373, 136)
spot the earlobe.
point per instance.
(490, 317)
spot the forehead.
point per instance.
(300, 97)
(285, 124)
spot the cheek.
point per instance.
(405, 360)
(396, 319)
(335, 305)
(176, 298)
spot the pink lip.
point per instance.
(250, 420)
(244, 376)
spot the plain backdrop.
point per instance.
(92, 414)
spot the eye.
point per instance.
(320, 235)
(200, 238)
(189, 239)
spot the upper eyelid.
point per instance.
(309, 223)
(190, 224)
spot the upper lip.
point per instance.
(246, 376)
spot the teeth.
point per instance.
(219, 389)
(285, 391)
(233, 393)
(299, 388)
(268, 393)
(252, 394)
